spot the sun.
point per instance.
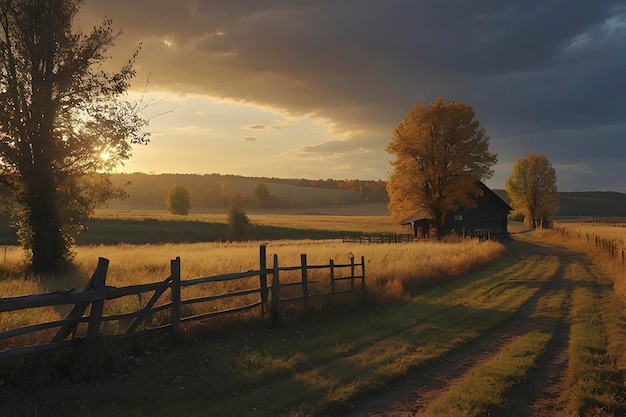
(105, 156)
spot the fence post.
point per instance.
(332, 276)
(352, 273)
(305, 280)
(263, 276)
(87, 367)
(75, 314)
(363, 274)
(275, 312)
(176, 301)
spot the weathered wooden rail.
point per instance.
(264, 293)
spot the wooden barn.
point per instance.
(488, 219)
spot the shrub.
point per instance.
(238, 223)
(178, 200)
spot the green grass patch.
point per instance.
(146, 231)
(594, 376)
(486, 388)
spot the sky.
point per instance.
(313, 89)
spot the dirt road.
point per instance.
(545, 390)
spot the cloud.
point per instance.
(255, 127)
(275, 126)
(331, 147)
(533, 70)
(250, 139)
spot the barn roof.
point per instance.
(420, 214)
(488, 190)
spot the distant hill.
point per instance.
(587, 203)
(219, 191)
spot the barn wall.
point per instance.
(490, 215)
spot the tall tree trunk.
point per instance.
(47, 243)
(439, 218)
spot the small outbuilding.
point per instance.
(488, 219)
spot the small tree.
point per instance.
(238, 223)
(532, 189)
(441, 151)
(178, 200)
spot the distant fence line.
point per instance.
(381, 238)
(265, 293)
(613, 250)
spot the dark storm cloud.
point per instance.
(543, 76)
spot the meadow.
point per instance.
(466, 344)
(610, 228)
(432, 307)
(393, 271)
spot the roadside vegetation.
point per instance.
(586, 236)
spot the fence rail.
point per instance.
(381, 238)
(614, 251)
(96, 293)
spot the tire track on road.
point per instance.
(427, 383)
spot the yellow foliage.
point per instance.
(532, 188)
(441, 152)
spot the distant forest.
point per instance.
(217, 190)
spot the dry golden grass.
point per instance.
(134, 264)
(582, 236)
(393, 271)
(612, 231)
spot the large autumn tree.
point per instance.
(532, 189)
(441, 152)
(61, 122)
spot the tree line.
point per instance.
(224, 191)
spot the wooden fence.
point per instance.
(381, 238)
(614, 251)
(275, 293)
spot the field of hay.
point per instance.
(612, 229)
(390, 267)
(393, 271)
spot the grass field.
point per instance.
(159, 226)
(499, 308)
(394, 272)
(500, 320)
(612, 229)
